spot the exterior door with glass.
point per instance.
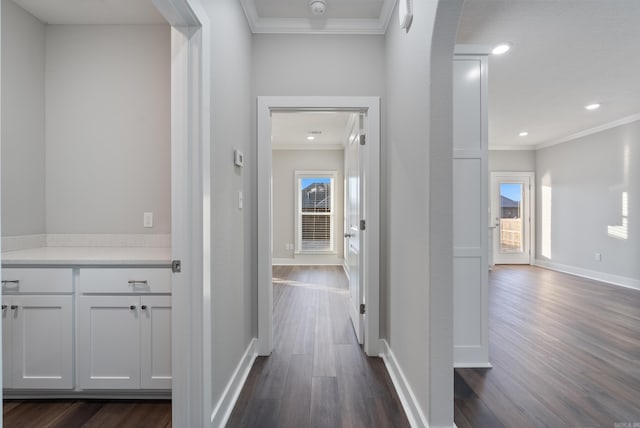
(511, 217)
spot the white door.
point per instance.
(353, 236)
(510, 217)
(155, 314)
(109, 342)
(42, 343)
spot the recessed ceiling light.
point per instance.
(311, 137)
(594, 106)
(523, 134)
(501, 49)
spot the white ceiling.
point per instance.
(566, 54)
(341, 16)
(289, 130)
(93, 11)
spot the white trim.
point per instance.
(531, 175)
(478, 365)
(308, 147)
(372, 209)
(522, 147)
(463, 49)
(403, 388)
(261, 25)
(309, 260)
(623, 121)
(224, 407)
(609, 278)
(190, 217)
(299, 175)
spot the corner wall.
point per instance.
(582, 186)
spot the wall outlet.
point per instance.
(598, 257)
(148, 219)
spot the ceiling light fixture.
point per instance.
(594, 106)
(311, 137)
(523, 134)
(501, 49)
(318, 7)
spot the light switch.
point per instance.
(148, 219)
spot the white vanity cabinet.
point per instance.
(124, 328)
(37, 328)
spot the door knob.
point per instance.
(348, 235)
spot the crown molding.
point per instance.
(513, 147)
(371, 26)
(623, 121)
(336, 146)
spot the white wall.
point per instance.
(233, 253)
(284, 165)
(512, 160)
(107, 128)
(580, 190)
(23, 122)
(408, 151)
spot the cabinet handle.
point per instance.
(134, 282)
(4, 307)
(132, 307)
(14, 307)
(143, 307)
(10, 281)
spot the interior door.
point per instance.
(353, 235)
(511, 217)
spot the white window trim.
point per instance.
(299, 175)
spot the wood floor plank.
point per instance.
(325, 406)
(295, 407)
(565, 352)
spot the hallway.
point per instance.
(317, 375)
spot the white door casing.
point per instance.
(353, 200)
(370, 211)
(513, 234)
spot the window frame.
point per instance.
(332, 175)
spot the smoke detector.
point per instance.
(318, 7)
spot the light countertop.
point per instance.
(88, 256)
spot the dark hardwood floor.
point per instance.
(565, 353)
(317, 375)
(86, 413)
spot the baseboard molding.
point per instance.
(621, 281)
(227, 401)
(467, 365)
(408, 400)
(308, 260)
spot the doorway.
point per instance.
(368, 278)
(511, 213)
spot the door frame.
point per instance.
(190, 215)
(371, 211)
(532, 209)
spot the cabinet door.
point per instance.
(156, 342)
(7, 374)
(42, 343)
(109, 342)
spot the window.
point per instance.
(315, 217)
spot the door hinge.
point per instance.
(363, 139)
(362, 309)
(176, 266)
(363, 225)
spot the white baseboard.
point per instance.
(308, 260)
(227, 401)
(467, 365)
(408, 400)
(622, 281)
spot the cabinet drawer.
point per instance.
(37, 280)
(125, 280)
